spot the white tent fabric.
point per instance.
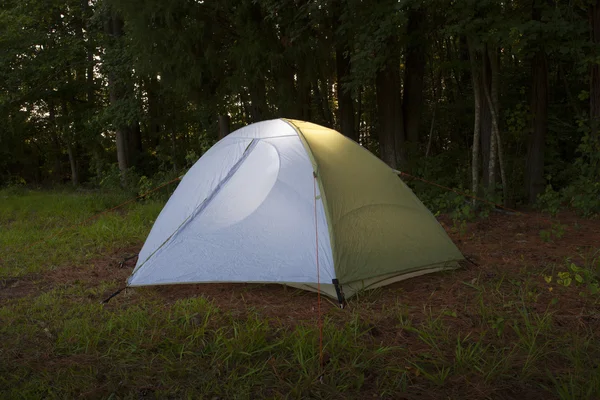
(245, 212)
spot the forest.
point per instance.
(500, 99)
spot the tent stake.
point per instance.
(113, 295)
(339, 292)
(122, 263)
(471, 261)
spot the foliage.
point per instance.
(556, 231)
(112, 179)
(587, 275)
(582, 195)
(582, 191)
(73, 80)
(550, 201)
(147, 187)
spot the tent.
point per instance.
(291, 202)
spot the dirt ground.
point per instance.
(500, 245)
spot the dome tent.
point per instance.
(291, 202)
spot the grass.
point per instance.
(41, 230)
(487, 333)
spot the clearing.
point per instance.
(524, 322)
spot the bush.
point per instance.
(582, 195)
(112, 179)
(550, 201)
(146, 185)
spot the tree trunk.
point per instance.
(435, 87)
(371, 132)
(572, 102)
(477, 121)
(358, 114)
(496, 143)
(325, 93)
(345, 102)
(224, 125)
(57, 170)
(414, 73)
(90, 76)
(73, 163)
(287, 103)
(594, 15)
(303, 97)
(89, 48)
(154, 128)
(246, 105)
(488, 145)
(258, 100)
(389, 113)
(97, 158)
(95, 143)
(244, 108)
(134, 135)
(319, 103)
(69, 140)
(463, 51)
(174, 151)
(431, 131)
(534, 166)
(122, 149)
(114, 28)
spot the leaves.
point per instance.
(181, 63)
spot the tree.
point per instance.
(343, 72)
(86, 87)
(345, 101)
(224, 125)
(119, 88)
(389, 112)
(476, 119)
(594, 16)
(414, 72)
(534, 171)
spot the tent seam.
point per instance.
(202, 205)
(439, 266)
(328, 214)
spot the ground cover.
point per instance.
(522, 322)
